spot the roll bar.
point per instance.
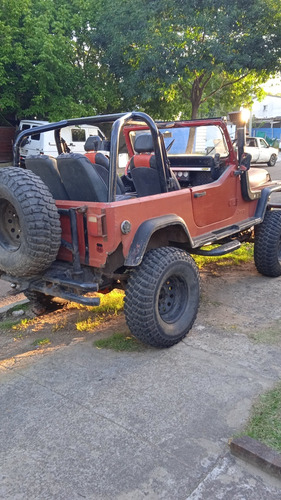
(119, 120)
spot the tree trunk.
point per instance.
(196, 95)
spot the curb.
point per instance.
(6, 308)
(257, 453)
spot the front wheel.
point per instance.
(162, 297)
(272, 160)
(267, 247)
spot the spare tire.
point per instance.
(30, 231)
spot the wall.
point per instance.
(7, 135)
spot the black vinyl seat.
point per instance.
(46, 168)
(146, 181)
(81, 179)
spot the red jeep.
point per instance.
(70, 225)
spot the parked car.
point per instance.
(260, 151)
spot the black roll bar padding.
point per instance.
(114, 154)
(58, 141)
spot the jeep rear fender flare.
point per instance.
(145, 232)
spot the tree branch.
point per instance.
(224, 85)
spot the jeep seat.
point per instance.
(101, 164)
(94, 146)
(92, 143)
(46, 168)
(143, 168)
(81, 179)
(145, 152)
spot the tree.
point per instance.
(48, 66)
(176, 51)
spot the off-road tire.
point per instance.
(162, 297)
(267, 247)
(39, 302)
(272, 160)
(30, 232)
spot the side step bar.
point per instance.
(221, 250)
(69, 290)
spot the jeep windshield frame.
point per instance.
(119, 121)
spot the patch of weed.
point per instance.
(41, 342)
(110, 305)
(109, 302)
(59, 326)
(9, 324)
(19, 307)
(89, 323)
(270, 335)
(242, 255)
(120, 342)
(24, 323)
(265, 421)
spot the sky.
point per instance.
(273, 86)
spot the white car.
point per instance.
(260, 151)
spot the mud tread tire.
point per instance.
(143, 287)
(267, 247)
(39, 222)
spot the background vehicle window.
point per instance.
(35, 137)
(263, 143)
(78, 135)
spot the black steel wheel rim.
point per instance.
(10, 231)
(172, 300)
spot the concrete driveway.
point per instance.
(80, 422)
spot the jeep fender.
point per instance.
(145, 232)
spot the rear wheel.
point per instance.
(272, 160)
(162, 297)
(30, 233)
(267, 247)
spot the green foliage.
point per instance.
(110, 305)
(265, 422)
(120, 342)
(48, 66)
(174, 55)
(8, 324)
(244, 254)
(41, 342)
(171, 58)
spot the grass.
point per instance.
(120, 342)
(24, 323)
(110, 305)
(270, 335)
(41, 342)
(265, 421)
(244, 254)
(19, 307)
(9, 324)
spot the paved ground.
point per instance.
(78, 422)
